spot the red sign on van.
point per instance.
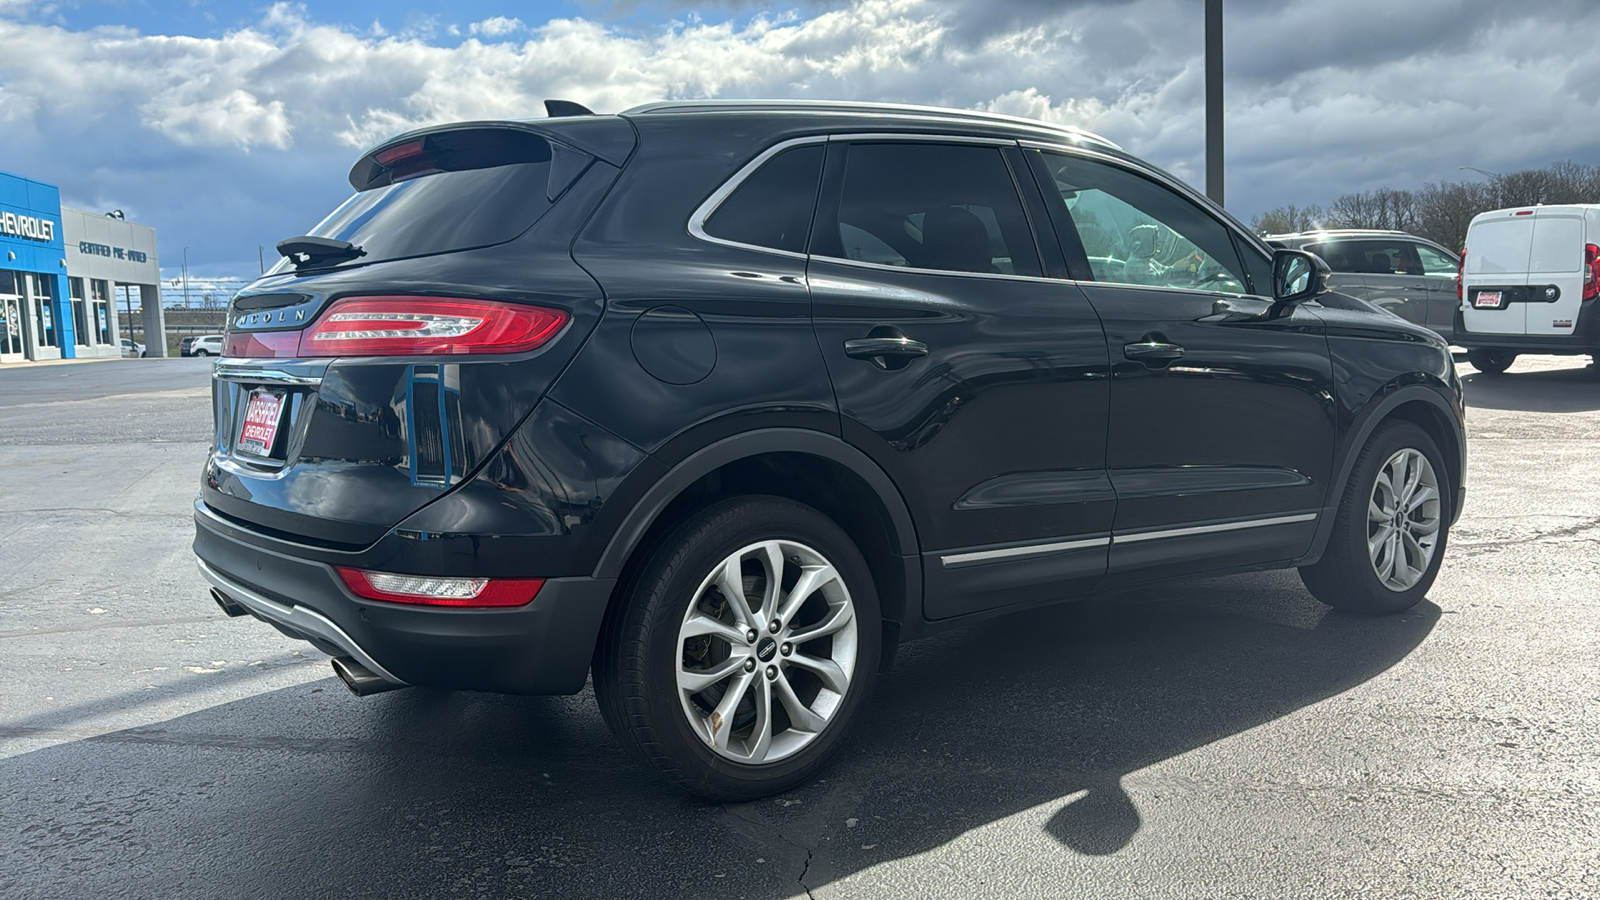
(1487, 299)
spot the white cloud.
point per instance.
(1318, 104)
(497, 26)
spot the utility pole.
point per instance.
(186, 278)
(1214, 100)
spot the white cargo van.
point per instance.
(1529, 278)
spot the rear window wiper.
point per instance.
(308, 250)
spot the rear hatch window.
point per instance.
(449, 191)
(1500, 246)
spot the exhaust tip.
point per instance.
(226, 604)
(360, 680)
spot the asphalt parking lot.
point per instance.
(1221, 738)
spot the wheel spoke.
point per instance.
(762, 732)
(800, 715)
(833, 677)
(1423, 495)
(700, 624)
(1377, 542)
(812, 579)
(720, 721)
(694, 681)
(838, 617)
(772, 591)
(730, 581)
(1375, 512)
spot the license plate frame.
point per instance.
(263, 419)
(1489, 300)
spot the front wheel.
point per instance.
(1389, 537)
(1491, 362)
(201, 353)
(745, 644)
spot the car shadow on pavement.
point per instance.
(309, 791)
(1575, 388)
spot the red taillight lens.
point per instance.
(1461, 274)
(427, 590)
(1591, 271)
(408, 326)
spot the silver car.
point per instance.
(1412, 277)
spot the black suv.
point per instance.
(723, 401)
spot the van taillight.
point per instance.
(1461, 274)
(1591, 271)
(408, 326)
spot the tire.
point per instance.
(1354, 577)
(201, 353)
(1491, 362)
(673, 612)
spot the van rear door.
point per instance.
(1531, 258)
(1556, 261)
(1498, 248)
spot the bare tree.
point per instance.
(1442, 211)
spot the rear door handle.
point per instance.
(882, 349)
(1153, 351)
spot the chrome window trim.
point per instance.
(697, 219)
(957, 559)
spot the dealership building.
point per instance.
(61, 271)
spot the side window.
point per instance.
(1340, 256)
(950, 207)
(1136, 231)
(772, 207)
(1437, 264)
(1389, 257)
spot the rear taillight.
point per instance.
(1461, 274)
(427, 590)
(408, 326)
(1591, 271)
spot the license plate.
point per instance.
(1487, 300)
(261, 418)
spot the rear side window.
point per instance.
(1371, 257)
(947, 207)
(772, 207)
(1437, 264)
(456, 191)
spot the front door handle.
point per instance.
(885, 352)
(1153, 351)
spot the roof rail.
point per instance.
(863, 108)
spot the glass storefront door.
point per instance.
(12, 325)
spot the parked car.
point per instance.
(1531, 276)
(132, 348)
(724, 401)
(1412, 277)
(204, 345)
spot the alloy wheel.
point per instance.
(766, 652)
(1403, 519)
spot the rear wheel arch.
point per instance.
(816, 469)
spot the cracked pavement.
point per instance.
(1226, 737)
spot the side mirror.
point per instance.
(1298, 275)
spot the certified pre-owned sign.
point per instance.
(27, 227)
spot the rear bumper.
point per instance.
(541, 648)
(1585, 337)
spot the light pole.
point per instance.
(186, 278)
(1494, 175)
(1214, 100)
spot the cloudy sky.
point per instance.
(230, 125)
